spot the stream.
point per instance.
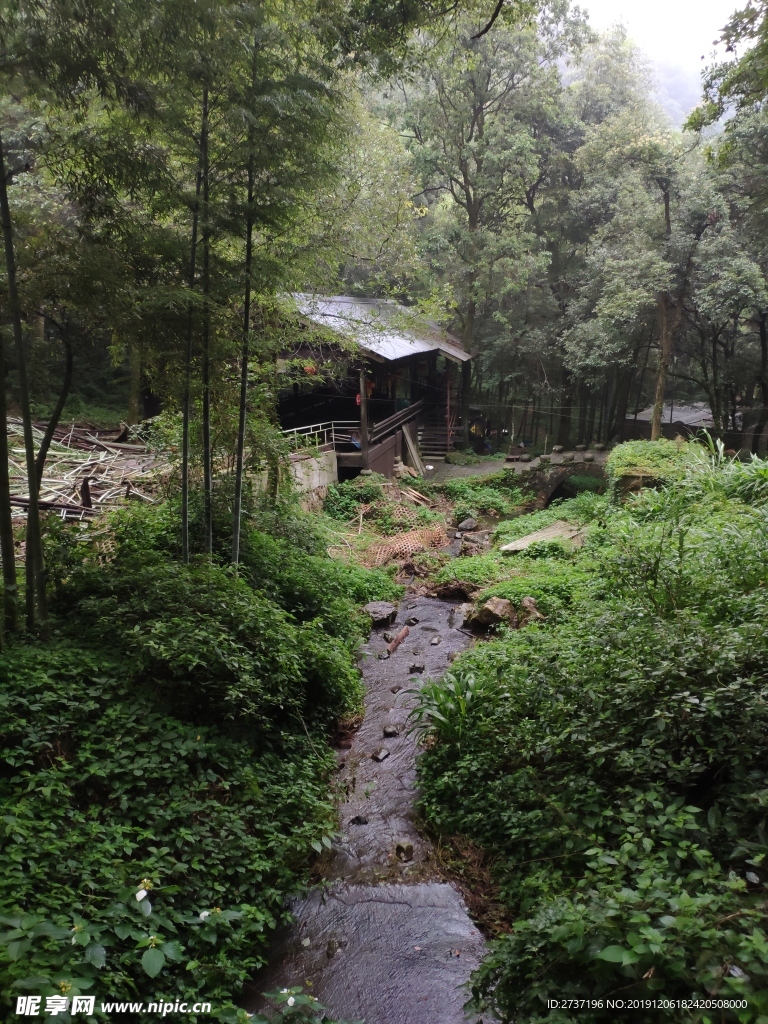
(384, 939)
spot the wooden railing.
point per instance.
(391, 423)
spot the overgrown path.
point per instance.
(385, 939)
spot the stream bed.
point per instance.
(384, 939)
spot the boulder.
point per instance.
(494, 611)
(382, 613)
(529, 612)
(468, 524)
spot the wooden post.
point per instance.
(364, 420)
(447, 405)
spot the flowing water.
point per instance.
(384, 939)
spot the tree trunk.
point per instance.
(623, 402)
(566, 404)
(7, 550)
(53, 422)
(187, 397)
(37, 605)
(763, 421)
(665, 357)
(466, 380)
(245, 353)
(206, 367)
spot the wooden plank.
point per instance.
(413, 451)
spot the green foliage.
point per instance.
(544, 549)
(171, 738)
(613, 763)
(293, 1004)
(105, 793)
(343, 500)
(555, 583)
(662, 460)
(477, 496)
(585, 508)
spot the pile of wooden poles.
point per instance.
(87, 471)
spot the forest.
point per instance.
(190, 652)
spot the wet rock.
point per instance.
(383, 655)
(389, 636)
(529, 611)
(390, 731)
(417, 666)
(468, 524)
(411, 621)
(466, 611)
(380, 755)
(382, 613)
(396, 689)
(404, 851)
(494, 611)
(359, 819)
(436, 640)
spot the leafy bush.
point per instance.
(343, 500)
(544, 549)
(170, 739)
(582, 510)
(614, 764)
(105, 794)
(489, 495)
(662, 460)
(554, 583)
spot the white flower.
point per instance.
(204, 914)
(141, 894)
(290, 1000)
(283, 991)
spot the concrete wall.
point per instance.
(311, 477)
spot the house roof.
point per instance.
(383, 329)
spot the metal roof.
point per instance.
(383, 329)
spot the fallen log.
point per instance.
(391, 648)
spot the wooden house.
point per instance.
(398, 397)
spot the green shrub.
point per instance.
(614, 764)
(661, 460)
(497, 494)
(554, 583)
(343, 500)
(102, 792)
